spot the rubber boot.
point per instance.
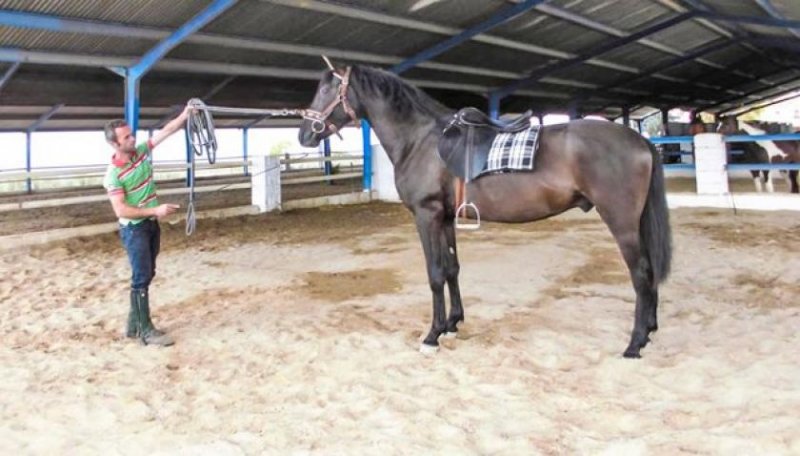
(140, 314)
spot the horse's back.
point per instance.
(592, 141)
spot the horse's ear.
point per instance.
(330, 65)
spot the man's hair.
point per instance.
(111, 129)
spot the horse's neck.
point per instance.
(772, 149)
(399, 135)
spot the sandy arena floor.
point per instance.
(297, 333)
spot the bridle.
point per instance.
(319, 119)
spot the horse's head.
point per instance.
(728, 125)
(331, 109)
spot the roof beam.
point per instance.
(45, 22)
(772, 11)
(43, 118)
(205, 67)
(773, 102)
(19, 19)
(583, 21)
(498, 18)
(134, 73)
(9, 74)
(781, 43)
(174, 110)
(194, 24)
(707, 49)
(386, 19)
(751, 20)
(745, 95)
(597, 50)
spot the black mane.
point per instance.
(404, 98)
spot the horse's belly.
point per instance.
(519, 197)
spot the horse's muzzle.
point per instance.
(307, 137)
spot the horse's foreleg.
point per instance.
(768, 181)
(451, 270)
(429, 227)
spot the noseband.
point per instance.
(319, 119)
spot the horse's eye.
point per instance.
(324, 90)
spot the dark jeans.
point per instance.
(142, 242)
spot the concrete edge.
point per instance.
(744, 201)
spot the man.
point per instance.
(132, 191)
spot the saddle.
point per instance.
(467, 140)
(473, 144)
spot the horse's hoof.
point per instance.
(426, 349)
(632, 354)
(450, 335)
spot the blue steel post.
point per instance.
(28, 186)
(245, 145)
(326, 153)
(135, 73)
(366, 136)
(132, 102)
(626, 116)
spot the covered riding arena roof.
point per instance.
(63, 64)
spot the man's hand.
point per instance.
(164, 210)
(172, 126)
(187, 111)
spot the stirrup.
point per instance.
(469, 225)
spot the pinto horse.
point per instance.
(767, 151)
(582, 164)
(778, 151)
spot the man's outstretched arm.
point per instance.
(171, 127)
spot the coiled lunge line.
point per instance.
(203, 139)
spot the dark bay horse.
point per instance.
(580, 164)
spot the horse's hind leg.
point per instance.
(793, 181)
(757, 181)
(451, 270)
(625, 230)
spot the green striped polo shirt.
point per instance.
(134, 179)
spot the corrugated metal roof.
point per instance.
(389, 31)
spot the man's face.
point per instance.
(126, 142)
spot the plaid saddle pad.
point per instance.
(513, 151)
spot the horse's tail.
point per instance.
(654, 227)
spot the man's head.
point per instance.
(120, 136)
